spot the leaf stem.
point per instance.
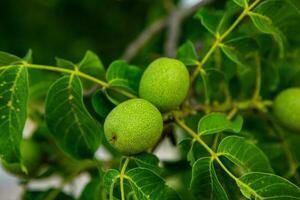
(256, 94)
(122, 174)
(219, 38)
(74, 72)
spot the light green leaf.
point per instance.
(257, 185)
(7, 59)
(60, 62)
(244, 154)
(218, 122)
(242, 3)
(121, 74)
(101, 103)
(28, 56)
(187, 53)
(73, 128)
(13, 111)
(149, 186)
(264, 24)
(205, 182)
(92, 65)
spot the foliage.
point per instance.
(230, 144)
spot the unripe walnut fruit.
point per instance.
(287, 108)
(165, 83)
(133, 126)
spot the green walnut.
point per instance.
(287, 108)
(133, 126)
(31, 159)
(165, 83)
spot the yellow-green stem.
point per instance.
(75, 72)
(122, 174)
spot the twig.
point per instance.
(173, 21)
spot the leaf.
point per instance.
(148, 161)
(92, 65)
(267, 186)
(110, 178)
(73, 128)
(148, 186)
(205, 182)
(7, 59)
(60, 62)
(42, 195)
(242, 3)
(187, 53)
(244, 154)
(28, 56)
(208, 20)
(13, 111)
(121, 74)
(218, 122)
(101, 104)
(232, 54)
(264, 24)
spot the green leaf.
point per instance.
(28, 56)
(257, 185)
(187, 53)
(73, 128)
(7, 59)
(264, 24)
(209, 20)
(242, 3)
(232, 54)
(60, 62)
(42, 195)
(13, 111)
(92, 65)
(148, 186)
(101, 104)
(218, 122)
(205, 182)
(148, 161)
(121, 74)
(244, 154)
(110, 178)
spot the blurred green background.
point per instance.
(67, 28)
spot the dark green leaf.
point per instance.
(74, 130)
(187, 53)
(148, 161)
(205, 182)
(210, 20)
(110, 178)
(242, 3)
(121, 74)
(92, 191)
(60, 62)
(101, 104)
(232, 54)
(147, 185)
(218, 122)
(13, 111)
(257, 185)
(28, 56)
(244, 154)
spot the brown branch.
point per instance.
(173, 21)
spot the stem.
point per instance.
(74, 72)
(122, 174)
(256, 94)
(220, 38)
